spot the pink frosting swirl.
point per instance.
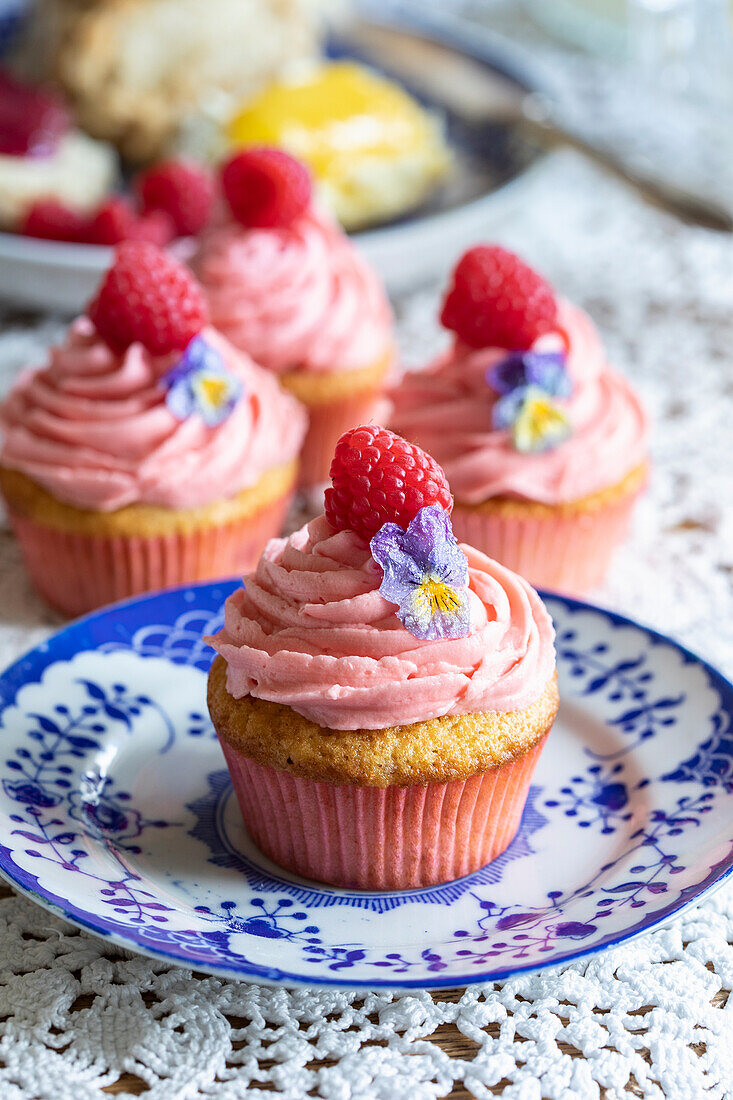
(311, 630)
(446, 409)
(296, 298)
(93, 428)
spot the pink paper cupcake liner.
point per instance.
(564, 553)
(326, 423)
(370, 838)
(76, 573)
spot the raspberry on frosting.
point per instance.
(497, 300)
(266, 188)
(148, 297)
(377, 478)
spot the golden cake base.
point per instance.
(436, 751)
(563, 547)
(80, 560)
(30, 500)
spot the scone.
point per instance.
(381, 693)
(147, 452)
(134, 70)
(374, 151)
(288, 287)
(544, 443)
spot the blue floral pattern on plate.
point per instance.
(116, 811)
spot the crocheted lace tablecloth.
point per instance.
(652, 1018)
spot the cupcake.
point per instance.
(148, 451)
(545, 445)
(382, 694)
(285, 285)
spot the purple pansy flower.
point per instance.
(535, 419)
(200, 383)
(519, 369)
(425, 574)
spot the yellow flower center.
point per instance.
(540, 421)
(435, 595)
(214, 390)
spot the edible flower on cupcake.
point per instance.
(425, 574)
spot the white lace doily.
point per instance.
(651, 1019)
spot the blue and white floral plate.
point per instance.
(116, 812)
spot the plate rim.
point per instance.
(717, 875)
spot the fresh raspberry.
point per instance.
(379, 478)
(183, 190)
(266, 188)
(156, 227)
(116, 221)
(113, 222)
(149, 297)
(53, 221)
(497, 300)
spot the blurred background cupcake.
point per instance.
(286, 285)
(148, 451)
(544, 444)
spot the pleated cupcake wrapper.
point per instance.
(564, 553)
(369, 838)
(77, 572)
(326, 423)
